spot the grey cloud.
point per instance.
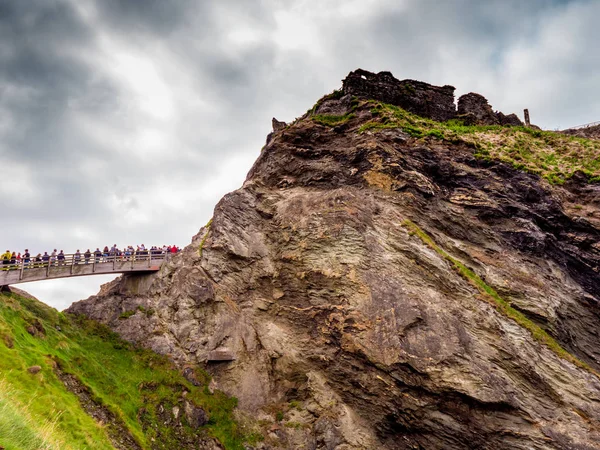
(77, 124)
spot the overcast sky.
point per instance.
(125, 121)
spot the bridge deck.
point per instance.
(73, 267)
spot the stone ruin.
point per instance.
(420, 98)
(424, 99)
(474, 109)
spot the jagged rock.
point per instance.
(36, 328)
(8, 341)
(117, 431)
(195, 416)
(474, 109)
(220, 354)
(335, 107)
(509, 120)
(34, 369)
(188, 374)
(309, 279)
(478, 106)
(277, 125)
(210, 444)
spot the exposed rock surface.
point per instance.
(115, 428)
(474, 109)
(345, 331)
(478, 106)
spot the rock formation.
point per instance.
(415, 96)
(424, 99)
(474, 109)
(314, 298)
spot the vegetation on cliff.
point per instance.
(489, 294)
(552, 155)
(127, 397)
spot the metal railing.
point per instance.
(137, 260)
(587, 125)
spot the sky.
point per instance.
(125, 121)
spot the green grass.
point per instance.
(552, 155)
(332, 120)
(19, 430)
(501, 304)
(126, 315)
(36, 411)
(203, 241)
(335, 95)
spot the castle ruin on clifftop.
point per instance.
(424, 99)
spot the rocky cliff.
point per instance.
(382, 280)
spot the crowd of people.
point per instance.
(14, 260)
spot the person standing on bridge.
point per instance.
(77, 257)
(114, 251)
(45, 259)
(53, 257)
(61, 258)
(26, 258)
(87, 255)
(6, 259)
(97, 254)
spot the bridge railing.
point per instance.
(587, 125)
(137, 259)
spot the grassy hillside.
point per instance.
(555, 156)
(131, 392)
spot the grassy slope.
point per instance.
(554, 156)
(36, 411)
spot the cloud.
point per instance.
(126, 121)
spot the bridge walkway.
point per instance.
(77, 265)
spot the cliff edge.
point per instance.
(388, 279)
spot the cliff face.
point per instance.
(370, 288)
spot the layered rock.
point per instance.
(339, 328)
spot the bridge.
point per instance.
(587, 125)
(77, 265)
